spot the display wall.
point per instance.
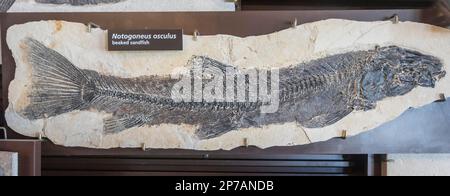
(336, 134)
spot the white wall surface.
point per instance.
(419, 165)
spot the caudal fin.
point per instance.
(57, 85)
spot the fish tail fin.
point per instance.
(57, 85)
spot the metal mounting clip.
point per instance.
(144, 147)
(246, 142)
(91, 26)
(442, 98)
(344, 134)
(295, 23)
(196, 34)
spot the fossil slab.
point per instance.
(120, 5)
(367, 76)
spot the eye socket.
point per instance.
(406, 77)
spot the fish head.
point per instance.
(395, 71)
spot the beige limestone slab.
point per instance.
(279, 49)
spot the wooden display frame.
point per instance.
(245, 23)
(29, 155)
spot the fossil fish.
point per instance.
(5, 5)
(78, 2)
(314, 94)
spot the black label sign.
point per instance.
(145, 40)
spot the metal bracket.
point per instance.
(196, 34)
(92, 25)
(246, 142)
(295, 23)
(5, 132)
(144, 147)
(40, 137)
(344, 134)
(237, 4)
(442, 98)
(395, 19)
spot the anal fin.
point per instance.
(326, 119)
(115, 125)
(214, 129)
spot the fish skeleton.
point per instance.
(314, 94)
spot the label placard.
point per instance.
(155, 39)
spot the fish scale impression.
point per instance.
(313, 94)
